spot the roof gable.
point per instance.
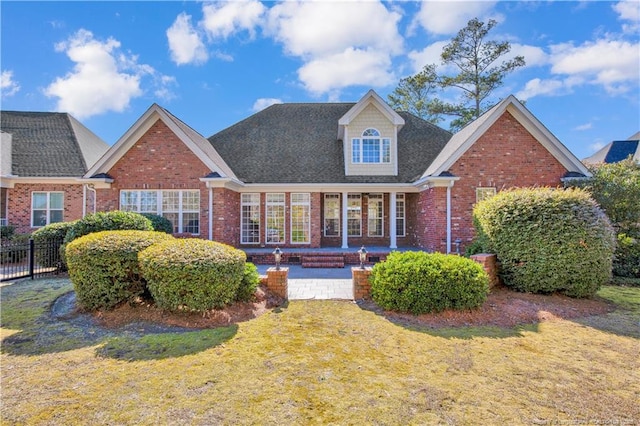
(466, 137)
(370, 98)
(192, 140)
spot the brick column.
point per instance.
(361, 284)
(277, 281)
(489, 263)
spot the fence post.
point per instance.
(32, 257)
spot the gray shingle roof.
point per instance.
(50, 144)
(296, 143)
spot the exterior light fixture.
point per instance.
(458, 242)
(277, 254)
(363, 256)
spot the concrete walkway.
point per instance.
(317, 283)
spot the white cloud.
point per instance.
(449, 17)
(537, 87)
(103, 78)
(428, 55)
(185, 44)
(614, 64)
(597, 146)
(629, 11)
(8, 85)
(313, 29)
(348, 68)
(263, 103)
(583, 127)
(226, 18)
(533, 55)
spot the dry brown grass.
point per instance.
(329, 362)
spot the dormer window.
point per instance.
(371, 148)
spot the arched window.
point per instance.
(371, 148)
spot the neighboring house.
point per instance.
(43, 158)
(617, 151)
(328, 174)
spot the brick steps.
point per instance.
(323, 261)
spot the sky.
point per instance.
(213, 64)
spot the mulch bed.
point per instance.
(503, 308)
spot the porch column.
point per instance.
(393, 243)
(345, 236)
(210, 218)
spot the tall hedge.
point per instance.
(419, 282)
(548, 240)
(108, 221)
(192, 274)
(103, 266)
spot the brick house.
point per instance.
(43, 156)
(317, 175)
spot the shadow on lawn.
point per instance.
(59, 327)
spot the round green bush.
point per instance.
(192, 274)
(419, 282)
(103, 266)
(548, 240)
(51, 236)
(108, 221)
(159, 223)
(249, 283)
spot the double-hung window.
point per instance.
(331, 215)
(250, 219)
(180, 207)
(300, 218)
(46, 208)
(375, 214)
(354, 215)
(371, 148)
(274, 213)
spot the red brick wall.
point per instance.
(19, 203)
(431, 219)
(226, 216)
(158, 160)
(506, 156)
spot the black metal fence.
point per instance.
(28, 258)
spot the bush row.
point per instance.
(111, 267)
(419, 282)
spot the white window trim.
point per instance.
(243, 203)
(159, 210)
(401, 197)
(48, 208)
(378, 198)
(360, 148)
(308, 204)
(268, 204)
(339, 218)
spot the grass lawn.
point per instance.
(317, 362)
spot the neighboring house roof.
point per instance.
(296, 143)
(617, 151)
(192, 139)
(467, 136)
(50, 144)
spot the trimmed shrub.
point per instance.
(103, 266)
(249, 283)
(419, 282)
(7, 232)
(108, 221)
(192, 274)
(159, 223)
(626, 261)
(548, 240)
(49, 236)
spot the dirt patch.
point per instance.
(503, 308)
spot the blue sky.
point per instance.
(214, 64)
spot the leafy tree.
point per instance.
(414, 94)
(478, 73)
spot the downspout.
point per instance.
(84, 200)
(91, 188)
(449, 217)
(210, 213)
